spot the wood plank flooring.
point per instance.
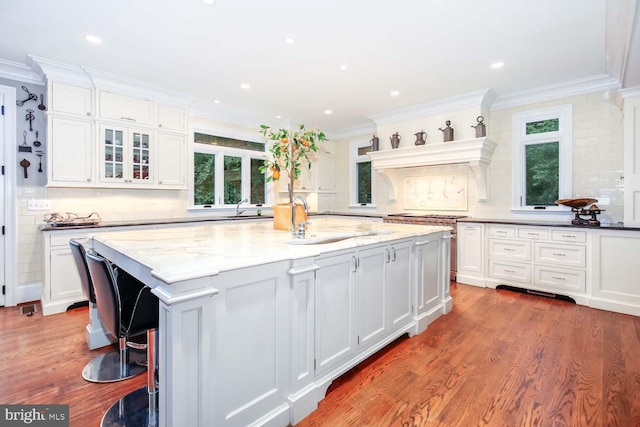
(498, 359)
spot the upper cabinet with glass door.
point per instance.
(126, 156)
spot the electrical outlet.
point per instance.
(38, 205)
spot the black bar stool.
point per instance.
(129, 309)
(114, 365)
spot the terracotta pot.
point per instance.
(282, 216)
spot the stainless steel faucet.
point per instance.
(238, 211)
(300, 233)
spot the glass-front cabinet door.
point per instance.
(125, 156)
(140, 145)
(112, 147)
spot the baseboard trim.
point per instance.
(28, 292)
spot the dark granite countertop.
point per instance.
(167, 221)
(511, 221)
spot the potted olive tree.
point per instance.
(289, 154)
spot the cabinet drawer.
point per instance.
(120, 107)
(568, 235)
(565, 255)
(62, 239)
(510, 270)
(533, 233)
(516, 250)
(501, 231)
(561, 280)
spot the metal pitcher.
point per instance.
(420, 137)
(395, 140)
(375, 143)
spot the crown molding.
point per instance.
(59, 71)
(481, 98)
(127, 86)
(590, 84)
(629, 92)
(16, 71)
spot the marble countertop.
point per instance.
(205, 249)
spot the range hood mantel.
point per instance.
(476, 153)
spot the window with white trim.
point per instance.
(226, 171)
(542, 158)
(362, 184)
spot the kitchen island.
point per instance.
(255, 325)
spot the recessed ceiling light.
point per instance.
(278, 117)
(208, 1)
(216, 101)
(328, 112)
(394, 93)
(93, 39)
(289, 40)
(245, 86)
(343, 67)
(497, 65)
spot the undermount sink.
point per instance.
(323, 238)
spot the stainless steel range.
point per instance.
(432, 219)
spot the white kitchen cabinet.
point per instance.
(61, 283)
(362, 297)
(541, 258)
(372, 281)
(72, 100)
(172, 160)
(172, 118)
(431, 285)
(126, 156)
(616, 270)
(335, 331)
(325, 173)
(399, 289)
(470, 250)
(70, 152)
(631, 138)
(114, 106)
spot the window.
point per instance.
(542, 158)
(362, 184)
(226, 171)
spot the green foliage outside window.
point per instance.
(542, 173)
(363, 179)
(232, 179)
(204, 174)
(542, 126)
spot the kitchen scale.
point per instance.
(582, 215)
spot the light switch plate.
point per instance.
(38, 205)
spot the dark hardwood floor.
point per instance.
(498, 359)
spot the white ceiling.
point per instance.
(425, 49)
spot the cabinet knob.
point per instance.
(89, 113)
(159, 125)
(88, 179)
(159, 182)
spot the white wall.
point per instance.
(597, 157)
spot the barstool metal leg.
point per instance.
(152, 373)
(140, 407)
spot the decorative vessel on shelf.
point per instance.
(290, 153)
(582, 216)
(395, 140)
(420, 137)
(481, 128)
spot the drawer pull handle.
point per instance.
(557, 254)
(533, 234)
(509, 271)
(570, 236)
(501, 232)
(509, 250)
(558, 278)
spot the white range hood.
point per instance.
(476, 153)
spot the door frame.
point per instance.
(10, 197)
